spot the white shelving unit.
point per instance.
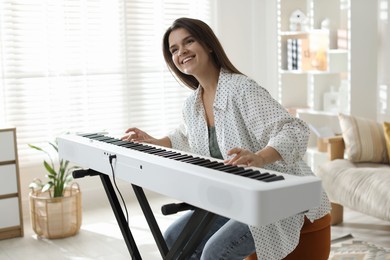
(11, 218)
(351, 62)
(302, 90)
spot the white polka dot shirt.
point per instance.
(246, 116)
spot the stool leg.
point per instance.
(337, 213)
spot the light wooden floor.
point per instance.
(363, 227)
(100, 237)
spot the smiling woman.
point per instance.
(188, 52)
(87, 66)
(230, 117)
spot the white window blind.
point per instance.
(88, 65)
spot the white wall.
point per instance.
(364, 56)
(247, 31)
(384, 66)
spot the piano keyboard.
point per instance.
(247, 194)
(199, 161)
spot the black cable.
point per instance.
(111, 157)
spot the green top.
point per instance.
(213, 144)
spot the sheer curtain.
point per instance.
(88, 65)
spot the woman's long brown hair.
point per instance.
(206, 37)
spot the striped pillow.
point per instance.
(364, 139)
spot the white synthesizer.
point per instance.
(202, 182)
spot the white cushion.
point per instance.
(364, 139)
(362, 187)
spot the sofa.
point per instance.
(357, 175)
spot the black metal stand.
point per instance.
(192, 234)
(120, 217)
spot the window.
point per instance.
(88, 65)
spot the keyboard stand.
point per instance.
(192, 234)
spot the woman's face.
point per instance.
(188, 55)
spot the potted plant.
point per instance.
(55, 206)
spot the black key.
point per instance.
(235, 170)
(156, 151)
(111, 140)
(193, 160)
(274, 178)
(213, 165)
(251, 174)
(189, 159)
(102, 138)
(201, 163)
(147, 148)
(88, 135)
(138, 147)
(162, 152)
(183, 158)
(143, 148)
(120, 142)
(134, 145)
(95, 136)
(261, 176)
(131, 145)
(166, 153)
(173, 154)
(206, 163)
(223, 167)
(245, 173)
(179, 156)
(229, 168)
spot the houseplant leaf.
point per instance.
(58, 178)
(47, 186)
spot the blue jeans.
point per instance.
(227, 239)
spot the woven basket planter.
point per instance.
(56, 217)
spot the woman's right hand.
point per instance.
(134, 134)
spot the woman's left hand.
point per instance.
(245, 157)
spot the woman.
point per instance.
(229, 116)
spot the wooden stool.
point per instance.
(314, 242)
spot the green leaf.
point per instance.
(49, 168)
(57, 179)
(57, 192)
(37, 148)
(41, 150)
(35, 186)
(69, 178)
(54, 146)
(47, 186)
(66, 164)
(50, 176)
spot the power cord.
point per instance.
(111, 158)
